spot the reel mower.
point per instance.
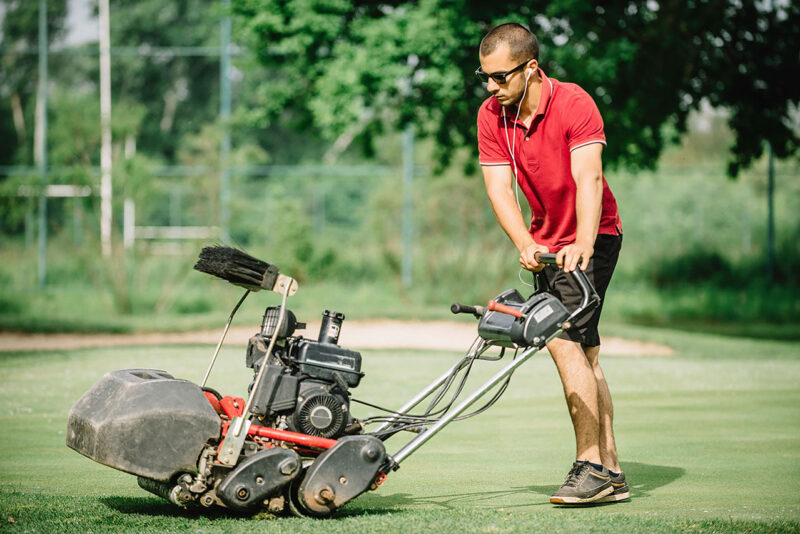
(293, 446)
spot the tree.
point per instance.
(19, 72)
(180, 91)
(347, 66)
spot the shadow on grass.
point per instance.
(376, 503)
(642, 479)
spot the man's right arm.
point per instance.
(499, 181)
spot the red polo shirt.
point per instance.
(567, 118)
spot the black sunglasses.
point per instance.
(499, 77)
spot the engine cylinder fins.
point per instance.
(322, 415)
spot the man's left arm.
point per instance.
(587, 170)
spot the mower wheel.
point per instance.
(295, 505)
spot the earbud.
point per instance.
(528, 72)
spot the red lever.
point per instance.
(502, 308)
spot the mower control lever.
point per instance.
(502, 308)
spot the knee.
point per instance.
(592, 356)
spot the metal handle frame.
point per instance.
(427, 434)
(589, 300)
(433, 386)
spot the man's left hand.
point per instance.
(568, 257)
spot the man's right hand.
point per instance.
(527, 259)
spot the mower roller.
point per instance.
(293, 446)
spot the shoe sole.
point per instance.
(615, 497)
(582, 500)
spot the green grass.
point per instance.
(709, 439)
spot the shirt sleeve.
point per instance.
(490, 150)
(584, 123)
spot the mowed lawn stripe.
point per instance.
(708, 444)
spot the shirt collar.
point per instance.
(548, 88)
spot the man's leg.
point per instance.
(581, 391)
(575, 353)
(585, 482)
(608, 447)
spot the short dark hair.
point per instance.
(520, 41)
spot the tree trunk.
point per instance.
(19, 117)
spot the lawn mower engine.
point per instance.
(306, 383)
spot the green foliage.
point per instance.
(710, 269)
(73, 133)
(19, 72)
(14, 210)
(180, 93)
(349, 65)
(732, 54)
(8, 304)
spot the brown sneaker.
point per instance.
(621, 491)
(584, 484)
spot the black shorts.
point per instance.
(563, 287)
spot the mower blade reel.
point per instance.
(341, 474)
(144, 422)
(257, 477)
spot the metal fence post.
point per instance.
(408, 206)
(128, 222)
(105, 125)
(41, 142)
(770, 217)
(225, 116)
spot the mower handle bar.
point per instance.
(544, 257)
(588, 293)
(477, 311)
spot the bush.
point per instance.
(710, 269)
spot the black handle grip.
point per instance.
(589, 297)
(477, 311)
(545, 257)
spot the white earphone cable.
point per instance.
(511, 146)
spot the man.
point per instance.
(549, 135)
